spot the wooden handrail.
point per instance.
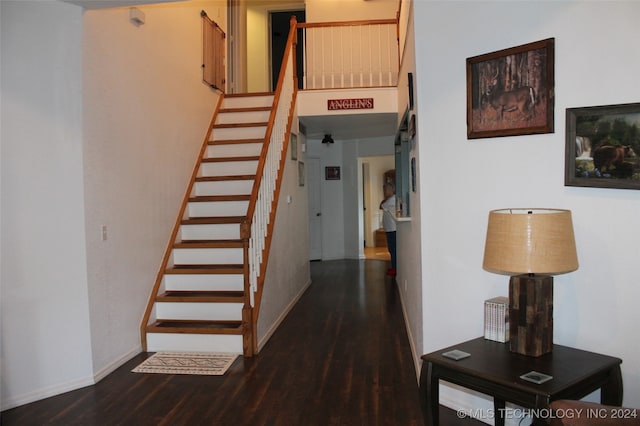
(347, 23)
(290, 46)
(267, 140)
(176, 228)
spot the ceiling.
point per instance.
(351, 126)
(103, 4)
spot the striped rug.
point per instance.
(206, 364)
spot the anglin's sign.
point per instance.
(360, 103)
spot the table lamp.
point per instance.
(530, 245)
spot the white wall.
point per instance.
(461, 180)
(288, 272)
(409, 234)
(46, 346)
(146, 116)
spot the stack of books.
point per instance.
(496, 319)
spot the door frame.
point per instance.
(313, 164)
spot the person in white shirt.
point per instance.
(388, 206)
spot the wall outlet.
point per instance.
(104, 232)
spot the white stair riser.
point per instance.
(218, 208)
(229, 168)
(208, 256)
(236, 133)
(204, 282)
(227, 187)
(225, 231)
(199, 311)
(234, 150)
(248, 102)
(243, 117)
(180, 342)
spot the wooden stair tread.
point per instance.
(244, 158)
(239, 241)
(209, 244)
(205, 269)
(201, 296)
(209, 198)
(195, 327)
(246, 109)
(240, 125)
(228, 159)
(235, 141)
(224, 178)
(213, 220)
(248, 95)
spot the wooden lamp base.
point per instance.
(531, 314)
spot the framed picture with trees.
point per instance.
(602, 146)
(511, 91)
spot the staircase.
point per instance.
(201, 300)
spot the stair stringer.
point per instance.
(189, 258)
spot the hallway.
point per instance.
(341, 357)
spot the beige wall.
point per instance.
(258, 74)
(101, 123)
(349, 10)
(147, 112)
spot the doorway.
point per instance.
(280, 25)
(372, 236)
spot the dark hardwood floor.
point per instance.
(341, 357)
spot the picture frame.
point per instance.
(412, 126)
(293, 142)
(301, 173)
(410, 84)
(603, 146)
(413, 174)
(332, 173)
(510, 92)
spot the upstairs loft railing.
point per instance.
(343, 55)
(264, 199)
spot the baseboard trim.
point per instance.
(110, 368)
(46, 392)
(72, 385)
(417, 360)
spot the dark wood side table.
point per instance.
(493, 370)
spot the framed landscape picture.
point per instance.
(511, 91)
(602, 146)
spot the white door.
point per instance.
(366, 214)
(315, 209)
